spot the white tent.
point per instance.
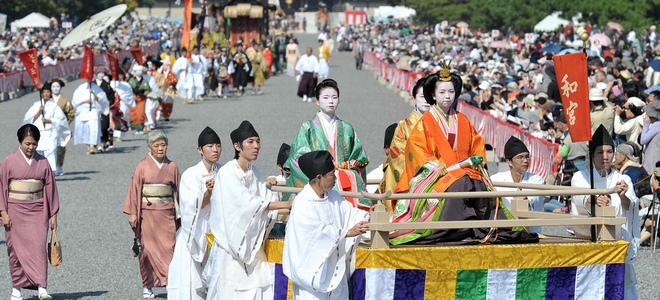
(396, 12)
(33, 20)
(551, 22)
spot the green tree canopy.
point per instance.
(524, 14)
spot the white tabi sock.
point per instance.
(42, 291)
(147, 291)
(16, 292)
(304, 98)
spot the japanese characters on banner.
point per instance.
(137, 55)
(114, 66)
(30, 60)
(87, 71)
(571, 71)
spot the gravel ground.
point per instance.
(96, 238)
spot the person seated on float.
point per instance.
(441, 153)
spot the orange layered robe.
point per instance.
(169, 86)
(156, 221)
(428, 142)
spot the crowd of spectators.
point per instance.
(129, 31)
(515, 80)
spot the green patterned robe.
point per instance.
(349, 153)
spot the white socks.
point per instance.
(147, 291)
(42, 291)
(304, 98)
(16, 292)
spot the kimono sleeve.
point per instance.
(419, 150)
(51, 196)
(358, 157)
(4, 184)
(134, 194)
(301, 144)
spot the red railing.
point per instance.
(494, 131)
(12, 82)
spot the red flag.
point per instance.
(137, 55)
(571, 71)
(187, 21)
(114, 66)
(31, 62)
(87, 71)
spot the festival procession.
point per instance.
(518, 160)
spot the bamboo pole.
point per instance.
(493, 194)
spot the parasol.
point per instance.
(498, 44)
(93, 25)
(552, 48)
(462, 24)
(600, 39)
(615, 26)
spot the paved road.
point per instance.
(98, 263)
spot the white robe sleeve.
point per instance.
(193, 221)
(580, 201)
(61, 124)
(243, 215)
(28, 118)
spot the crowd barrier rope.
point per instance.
(14, 81)
(494, 131)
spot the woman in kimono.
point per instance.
(292, 56)
(151, 202)
(446, 138)
(395, 162)
(29, 203)
(327, 132)
(52, 123)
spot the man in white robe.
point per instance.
(182, 70)
(126, 102)
(195, 190)
(89, 101)
(518, 159)
(322, 234)
(52, 123)
(242, 215)
(199, 67)
(625, 202)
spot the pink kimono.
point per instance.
(29, 214)
(156, 217)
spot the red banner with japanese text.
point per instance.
(137, 55)
(571, 71)
(87, 71)
(114, 66)
(30, 60)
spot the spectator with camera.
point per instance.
(629, 120)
